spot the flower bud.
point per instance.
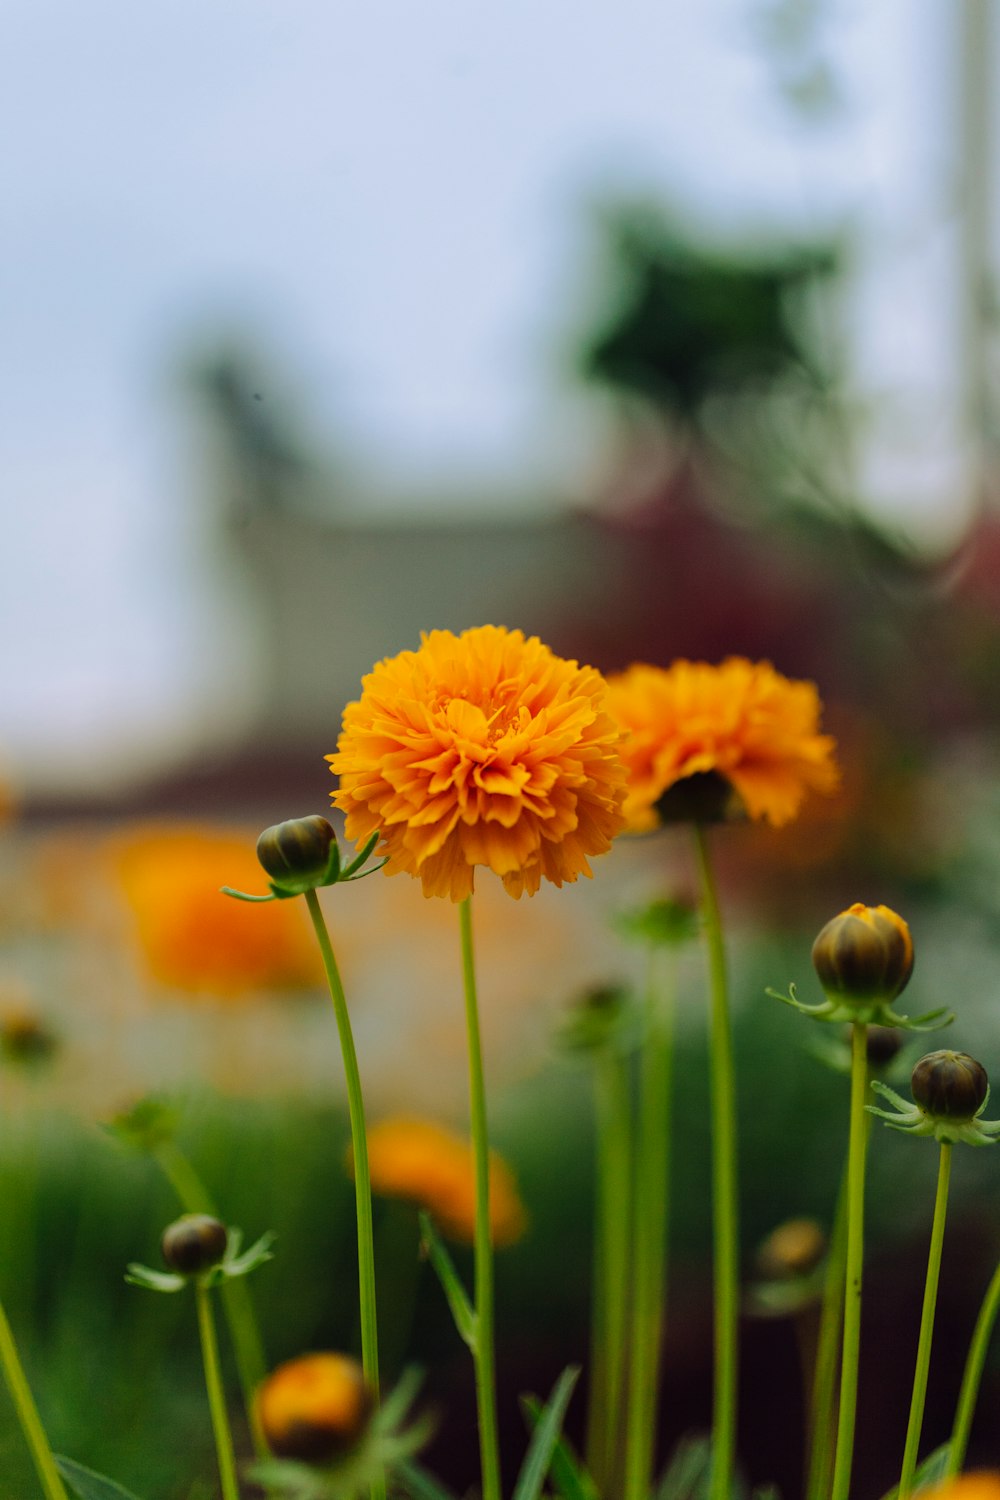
(296, 854)
(194, 1243)
(883, 1044)
(864, 956)
(316, 1408)
(949, 1085)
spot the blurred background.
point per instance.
(657, 331)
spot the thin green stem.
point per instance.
(916, 1422)
(216, 1397)
(362, 1176)
(237, 1303)
(27, 1413)
(858, 1141)
(649, 1233)
(611, 1237)
(484, 1351)
(974, 1363)
(822, 1407)
(724, 1186)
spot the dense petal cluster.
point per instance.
(481, 749)
(742, 721)
(425, 1164)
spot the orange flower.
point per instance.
(315, 1408)
(425, 1164)
(194, 938)
(481, 749)
(978, 1486)
(741, 720)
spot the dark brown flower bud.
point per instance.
(864, 955)
(296, 854)
(193, 1243)
(316, 1408)
(883, 1044)
(949, 1085)
(793, 1249)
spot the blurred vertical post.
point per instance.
(975, 174)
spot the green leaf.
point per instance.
(545, 1437)
(686, 1475)
(88, 1484)
(566, 1470)
(349, 870)
(462, 1311)
(419, 1484)
(933, 1468)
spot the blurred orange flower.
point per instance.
(481, 749)
(741, 720)
(428, 1165)
(190, 935)
(314, 1408)
(981, 1485)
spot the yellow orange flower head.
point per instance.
(741, 721)
(315, 1408)
(481, 749)
(978, 1486)
(192, 937)
(423, 1163)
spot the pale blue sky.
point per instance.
(396, 194)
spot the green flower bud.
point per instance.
(864, 955)
(949, 1085)
(194, 1243)
(297, 854)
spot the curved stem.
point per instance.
(484, 1352)
(974, 1363)
(724, 1187)
(853, 1265)
(27, 1413)
(237, 1303)
(649, 1234)
(919, 1396)
(359, 1144)
(216, 1398)
(611, 1234)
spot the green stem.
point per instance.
(27, 1413)
(216, 1398)
(822, 1411)
(919, 1396)
(725, 1218)
(484, 1352)
(614, 1145)
(974, 1364)
(649, 1235)
(853, 1266)
(362, 1176)
(237, 1303)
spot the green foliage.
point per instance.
(89, 1485)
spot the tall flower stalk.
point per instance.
(483, 1348)
(915, 1422)
(27, 1413)
(650, 1198)
(725, 1224)
(853, 1264)
(972, 1377)
(359, 1143)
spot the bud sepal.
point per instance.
(303, 855)
(874, 1013)
(231, 1265)
(950, 1092)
